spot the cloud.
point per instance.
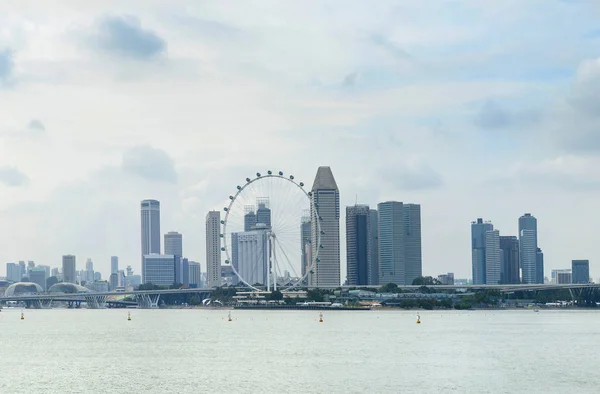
(11, 176)
(124, 36)
(6, 66)
(413, 174)
(350, 79)
(149, 163)
(390, 47)
(585, 94)
(494, 115)
(36, 125)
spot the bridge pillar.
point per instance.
(147, 301)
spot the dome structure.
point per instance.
(22, 288)
(67, 288)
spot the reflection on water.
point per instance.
(200, 351)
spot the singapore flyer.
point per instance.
(266, 232)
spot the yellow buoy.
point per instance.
(418, 319)
(22, 316)
(229, 317)
(320, 317)
(128, 316)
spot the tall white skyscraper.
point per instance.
(174, 243)
(413, 258)
(391, 243)
(528, 246)
(326, 199)
(69, 270)
(114, 264)
(150, 210)
(479, 229)
(213, 249)
(492, 257)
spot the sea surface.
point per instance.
(199, 351)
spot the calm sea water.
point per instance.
(199, 351)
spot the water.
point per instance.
(199, 351)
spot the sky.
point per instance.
(469, 108)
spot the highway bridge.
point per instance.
(95, 300)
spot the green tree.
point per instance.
(276, 295)
(389, 288)
(425, 281)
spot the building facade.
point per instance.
(478, 233)
(413, 257)
(150, 214)
(391, 243)
(509, 273)
(114, 264)
(159, 269)
(374, 240)
(174, 243)
(492, 257)
(69, 270)
(213, 249)
(306, 250)
(252, 258)
(581, 271)
(358, 244)
(528, 247)
(195, 275)
(325, 205)
(13, 272)
(38, 275)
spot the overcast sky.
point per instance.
(470, 108)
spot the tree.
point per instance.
(425, 281)
(276, 295)
(389, 288)
(314, 295)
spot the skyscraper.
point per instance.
(213, 249)
(13, 272)
(509, 272)
(185, 269)
(358, 244)
(23, 269)
(413, 259)
(581, 271)
(174, 243)
(150, 210)
(374, 239)
(528, 248)
(69, 270)
(478, 232)
(305, 246)
(195, 275)
(159, 269)
(263, 212)
(89, 271)
(38, 275)
(249, 218)
(492, 257)
(392, 267)
(252, 256)
(539, 266)
(114, 264)
(325, 197)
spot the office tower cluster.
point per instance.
(383, 245)
(166, 268)
(500, 259)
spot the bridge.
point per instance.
(143, 298)
(501, 288)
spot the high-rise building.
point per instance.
(113, 281)
(528, 256)
(391, 243)
(38, 275)
(263, 212)
(13, 272)
(97, 276)
(159, 269)
(249, 218)
(562, 276)
(305, 246)
(195, 275)
(581, 271)
(89, 271)
(358, 244)
(539, 266)
(509, 270)
(114, 264)
(150, 211)
(478, 232)
(185, 275)
(492, 257)
(23, 269)
(174, 243)
(413, 258)
(446, 279)
(30, 265)
(213, 249)
(374, 239)
(47, 269)
(69, 270)
(528, 246)
(325, 198)
(252, 256)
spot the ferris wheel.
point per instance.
(267, 233)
